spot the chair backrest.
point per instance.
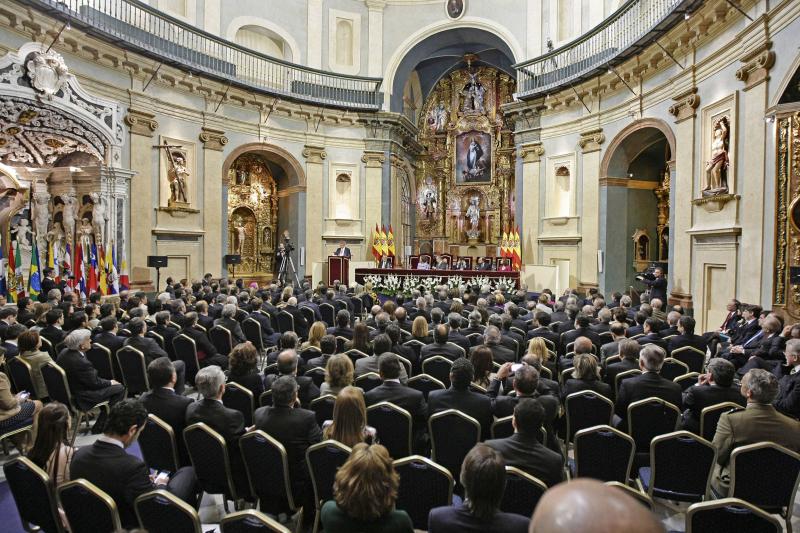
(265, 399)
(324, 459)
(368, 381)
(439, 368)
(252, 332)
(340, 342)
(55, 379)
(355, 355)
(101, 360)
(328, 313)
(221, 339)
(638, 495)
(502, 427)
(20, 373)
(308, 314)
(209, 455)
(650, 418)
(729, 514)
(285, 321)
(425, 384)
(453, 434)
(241, 399)
(48, 347)
(317, 375)
(587, 409)
(33, 495)
(709, 418)
(603, 453)
(186, 351)
(691, 356)
(394, 425)
(88, 508)
(765, 474)
(267, 466)
(687, 380)
(622, 376)
(522, 493)
(250, 521)
(673, 368)
(323, 407)
(611, 359)
(680, 466)
(158, 445)
(134, 370)
(423, 486)
(156, 337)
(271, 369)
(160, 511)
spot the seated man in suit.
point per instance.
(204, 317)
(392, 390)
(788, 375)
(582, 329)
(342, 327)
(649, 383)
(228, 322)
(461, 264)
(10, 343)
(629, 352)
(748, 327)
(686, 336)
(52, 331)
(541, 328)
(486, 264)
(206, 352)
(288, 361)
(458, 396)
(327, 347)
(757, 422)
(151, 350)
(342, 250)
(108, 335)
(382, 344)
(301, 325)
(617, 336)
(442, 263)
(122, 475)
(651, 335)
(523, 449)
(386, 262)
(8, 316)
(268, 335)
(766, 344)
(713, 387)
(164, 402)
(165, 331)
(440, 346)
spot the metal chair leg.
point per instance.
(76, 428)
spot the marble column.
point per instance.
(214, 142)
(373, 196)
(315, 170)
(142, 126)
(590, 142)
(684, 112)
(531, 155)
(375, 62)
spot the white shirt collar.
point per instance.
(392, 380)
(110, 440)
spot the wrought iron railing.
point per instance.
(166, 39)
(624, 33)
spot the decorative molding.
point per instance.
(141, 122)
(288, 191)
(756, 66)
(614, 182)
(714, 204)
(314, 154)
(568, 240)
(213, 139)
(179, 211)
(531, 153)
(373, 159)
(629, 183)
(685, 105)
(590, 141)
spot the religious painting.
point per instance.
(473, 157)
(455, 8)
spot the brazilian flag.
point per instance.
(34, 278)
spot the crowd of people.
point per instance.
(516, 354)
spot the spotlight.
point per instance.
(769, 119)
(686, 16)
(68, 26)
(630, 175)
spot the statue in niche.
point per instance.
(23, 234)
(57, 239)
(85, 238)
(41, 217)
(429, 202)
(473, 214)
(177, 175)
(69, 215)
(717, 166)
(473, 94)
(240, 236)
(437, 118)
(99, 217)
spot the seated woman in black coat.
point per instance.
(243, 361)
(585, 376)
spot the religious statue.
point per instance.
(99, 217)
(240, 236)
(473, 94)
(41, 218)
(57, 239)
(437, 118)
(717, 167)
(85, 237)
(69, 214)
(473, 214)
(22, 233)
(177, 175)
(429, 201)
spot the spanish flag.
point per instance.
(376, 244)
(384, 244)
(517, 252)
(102, 274)
(504, 244)
(390, 241)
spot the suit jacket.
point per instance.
(572, 386)
(458, 519)
(609, 349)
(730, 321)
(336, 331)
(769, 348)
(409, 399)
(147, 346)
(171, 408)
(110, 340)
(370, 364)
(680, 341)
(307, 389)
(668, 331)
(232, 325)
(744, 331)
(229, 423)
(346, 251)
(634, 330)
(527, 454)
(698, 397)
(572, 335)
(300, 324)
(266, 327)
(167, 333)
(445, 350)
(545, 333)
(11, 350)
(82, 376)
(614, 369)
(788, 400)
(652, 338)
(478, 406)
(644, 386)
(207, 321)
(658, 288)
(458, 339)
(55, 335)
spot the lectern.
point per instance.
(338, 269)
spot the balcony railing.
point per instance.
(625, 33)
(135, 25)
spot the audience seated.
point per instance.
(151, 350)
(349, 424)
(392, 390)
(206, 353)
(339, 373)
(342, 327)
(163, 401)
(440, 345)
(243, 361)
(713, 387)
(629, 354)
(648, 384)
(30, 351)
(51, 450)
(585, 376)
(382, 344)
(288, 362)
(361, 339)
(686, 336)
(458, 396)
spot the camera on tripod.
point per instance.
(647, 273)
(287, 245)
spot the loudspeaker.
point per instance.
(156, 261)
(233, 259)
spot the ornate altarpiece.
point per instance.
(252, 214)
(786, 287)
(452, 118)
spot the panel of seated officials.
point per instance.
(427, 262)
(514, 357)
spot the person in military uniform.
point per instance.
(757, 422)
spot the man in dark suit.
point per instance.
(268, 335)
(657, 284)
(651, 335)
(766, 344)
(454, 336)
(327, 347)
(87, 388)
(500, 354)
(541, 328)
(342, 250)
(206, 352)
(342, 327)
(124, 476)
(440, 346)
(629, 352)
(393, 391)
(288, 361)
(637, 329)
(163, 402)
(52, 331)
(12, 334)
(108, 335)
(300, 324)
(203, 315)
(458, 396)
(523, 450)
(673, 317)
(165, 331)
(715, 386)
(8, 316)
(582, 329)
(401, 319)
(395, 335)
(229, 322)
(788, 375)
(48, 284)
(648, 384)
(612, 348)
(748, 327)
(151, 350)
(732, 318)
(686, 336)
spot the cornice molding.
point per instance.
(373, 159)
(590, 141)
(757, 65)
(213, 139)
(685, 105)
(141, 122)
(315, 154)
(531, 152)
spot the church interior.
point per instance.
(556, 185)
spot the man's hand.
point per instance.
(504, 371)
(115, 382)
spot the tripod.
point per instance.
(286, 263)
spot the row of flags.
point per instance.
(511, 247)
(382, 242)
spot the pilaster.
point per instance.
(590, 142)
(214, 142)
(373, 194)
(531, 155)
(375, 21)
(315, 172)
(314, 27)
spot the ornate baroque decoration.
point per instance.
(685, 105)
(787, 215)
(252, 214)
(468, 154)
(47, 72)
(756, 65)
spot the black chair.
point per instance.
(47, 346)
(160, 511)
(250, 521)
(55, 379)
(438, 367)
(673, 368)
(368, 381)
(415, 345)
(328, 314)
(221, 339)
(158, 445)
(340, 342)
(324, 459)
(33, 495)
(523, 492)
(475, 339)
(603, 453)
(355, 355)
(252, 332)
(323, 407)
(709, 418)
(622, 376)
(586, 409)
(308, 314)
(241, 399)
(21, 376)
(317, 375)
(186, 351)
(394, 425)
(423, 486)
(265, 399)
(425, 384)
(134, 370)
(729, 514)
(88, 509)
(648, 419)
(766, 475)
(102, 360)
(691, 357)
(309, 353)
(680, 467)
(209, 455)
(285, 321)
(502, 427)
(687, 380)
(640, 496)
(267, 466)
(156, 337)
(453, 434)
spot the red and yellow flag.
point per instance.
(517, 252)
(384, 243)
(390, 241)
(376, 244)
(504, 244)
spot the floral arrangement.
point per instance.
(410, 283)
(480, 281)
(505, 284)
(430, 283)
(392, 284)
(373, 280)
(455, 282)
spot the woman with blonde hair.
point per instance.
(537, 347)
(585, 376)
(315, 334)
(338, 375)
(349, 424)
(419, 330)
(364, 495)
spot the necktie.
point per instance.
(753, 338)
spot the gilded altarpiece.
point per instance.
(252, 214)
(787, 217)
(465, 177)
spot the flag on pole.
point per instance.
(34, 277)
(11, 276)
(504, 244)
(111, 263)
(3, 284)
(376, 244)
(66, 266)
(384, 244)
(80, 274)
(91, 284)
(124, 283)
(517, 256)
(19, 279)
(101, 269)
(390, 241)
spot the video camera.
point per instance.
(647, 273)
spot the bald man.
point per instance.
(588, 506)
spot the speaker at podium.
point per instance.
(338, 269)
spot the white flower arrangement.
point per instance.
(410, 283)
(479, 281)
(505, 284)
(455, 282)
(373, 279)
(429, 283)
(391, 284)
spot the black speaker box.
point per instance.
(156, 261)
(233, 259)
